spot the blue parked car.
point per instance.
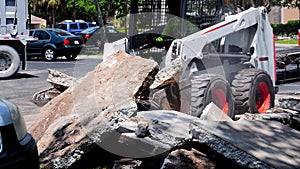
(17, 147)
(74, 27)
(52, 43)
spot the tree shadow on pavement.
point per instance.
(20, 76)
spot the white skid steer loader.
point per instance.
(229, 61)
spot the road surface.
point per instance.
(20, 88)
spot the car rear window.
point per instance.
(111, 30)
(42, 35)
(61, 26)
(73, 26)
(61, 32)
(90, 30)
(92, 25)
(83, 25)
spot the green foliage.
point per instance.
(289, 29)
(287, 3)
(293, 22)
(76, 9)
(288, 41)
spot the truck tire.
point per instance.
(9, 61)
(207, 88)
(49, 54)
(253, 91)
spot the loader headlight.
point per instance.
(17, 119)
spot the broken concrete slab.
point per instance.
(214, 113)
(170, 129)
(174, 123)
(127, 163)
(290, 103)
(168, 75)
(253, 144)
(155, 132)
(43, 97)
(59, 80)
(143, 147)
(88, 112)
(192, 159)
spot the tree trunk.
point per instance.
(108, 9)
(103, 39)
(53, 15)
(99, 17)
(74, 10)
(29, 13)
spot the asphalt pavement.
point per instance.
(21, 87)
(287, 48)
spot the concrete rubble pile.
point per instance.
(106, 120)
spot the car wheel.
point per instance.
(71, 57)
(49, 54)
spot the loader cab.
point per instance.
(204, 13)
(149, 19)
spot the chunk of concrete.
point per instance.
(88, 112)
(187, 159)
(290, 103)
(168, 75)
(252, 144)
(43, 97)
(59, 80)
(127, 163)
(214, 113)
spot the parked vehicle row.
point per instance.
(52, 43)
(74, 27)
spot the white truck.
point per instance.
(230, 60)
(14, 34)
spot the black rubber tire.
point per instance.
(173, 96)
(71, 57)
(203, 88)
(49, 54)
(33, 157)
(245, 89)
(9, 60)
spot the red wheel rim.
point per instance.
(220, 99)
(263, 97)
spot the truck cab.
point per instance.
(14, 34)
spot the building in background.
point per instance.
(37, 22)
(281, 15)
(9, 13)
